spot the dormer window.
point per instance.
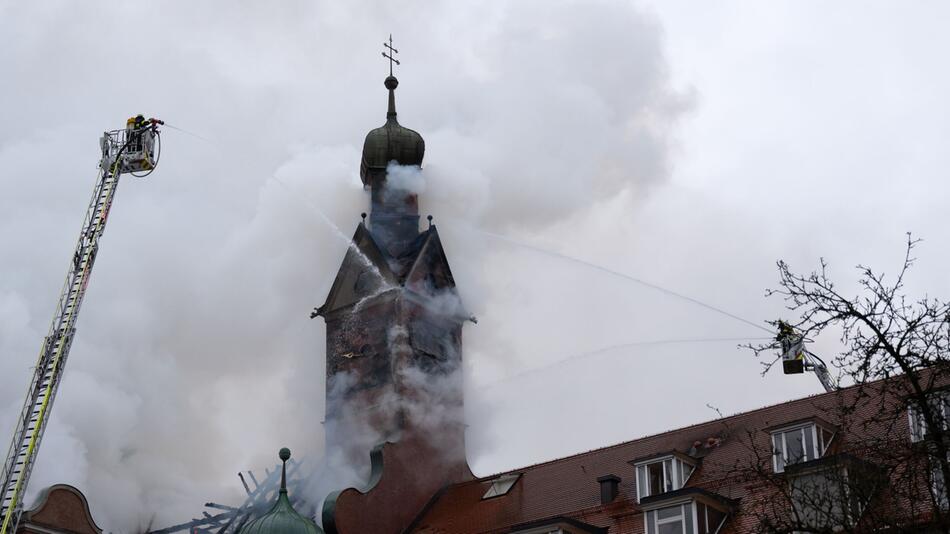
(938, 486)
(686, 511)
(940, 405)
(799, 443)
(500, 485)
(831, 494)
(661, 475)
(670, 520)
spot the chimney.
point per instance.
(608, 488)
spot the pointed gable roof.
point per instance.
(430, 265)
(367, 270)
(363, 271)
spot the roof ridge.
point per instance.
(423, 246)
(694, 425)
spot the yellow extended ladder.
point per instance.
(47, 375)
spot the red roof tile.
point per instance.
(568, 487)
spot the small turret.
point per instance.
(282, 518)
(394, 217)
(390, 142)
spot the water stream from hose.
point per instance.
(618, 274)
(337, 232)
(604, 350)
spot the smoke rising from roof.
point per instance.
(194, 356)
(405, 178)
(552, 123)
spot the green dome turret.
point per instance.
(282, 518)
(390, 142)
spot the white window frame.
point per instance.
(687, 507)
(681, 518)
(819, 445)
(936, 482)
(838, 479)
(706, 508)
(674, 477)
(918, 427)
(501, 485)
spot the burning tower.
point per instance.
(394, 338)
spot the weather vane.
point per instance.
(392, 52)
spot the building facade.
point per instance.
(844, 461)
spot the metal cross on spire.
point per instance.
(392, 52)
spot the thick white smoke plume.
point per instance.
(405, 178)
(552, 123)
(195, 356)
(426, 397)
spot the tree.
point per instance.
(894, 357)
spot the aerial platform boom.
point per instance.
(134, 150)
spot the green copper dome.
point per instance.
(282, 518)
(391, 141)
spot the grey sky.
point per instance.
(686, 144)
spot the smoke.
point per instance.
(195, 356)
(405, 178)
(554, 123)
(424, 396)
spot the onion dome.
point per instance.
(282, 518)
(390, 141)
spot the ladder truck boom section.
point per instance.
(133, 150)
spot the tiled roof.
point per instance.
(568, 487)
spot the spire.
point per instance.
(282, 518)
(394, 220)
(284, 455)
(391, 81)
(391, 141)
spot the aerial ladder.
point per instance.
(133, 150)
(796, 359)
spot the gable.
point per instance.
(364, 271)
(430, 272)
(61, 508)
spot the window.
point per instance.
(833, 494)
(819, 501)
(670, 520)
(662, 475)
(798, 444)
(939, 487)
(427, 337)
(500, 486)
(940, 402)
(708, 519)
(680, 518)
